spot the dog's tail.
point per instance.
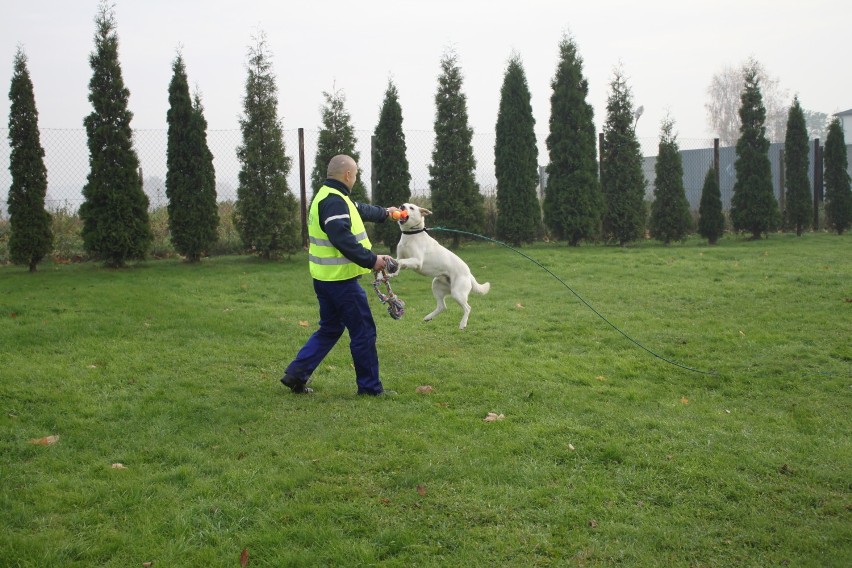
(480, 288)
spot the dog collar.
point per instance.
(415, 231)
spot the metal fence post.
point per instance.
(303, 195)
(373, 169)
(817, 182)
(716, 162)
(782, 198)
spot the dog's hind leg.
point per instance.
(466, 307)
(440, 289)
(460, 291)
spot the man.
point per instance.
(339, 253)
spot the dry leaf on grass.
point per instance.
(424, 389)
(147, 564)
(519, 306)
(303, 323)
(46, 441)
(600, 378)
(593, 523)
(571, 447)
(118, 466)
(421, 490)
(244, 558)
(493, 417)
(684, 400)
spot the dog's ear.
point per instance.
(425, 211)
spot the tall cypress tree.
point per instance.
(190, 177)
(390, 164)
(799, 201)
(337, 136)
(456, 200)
(754, 208)
(711, 218)
(207, 208)
(266, 212)
(670, 217)
(31, 238)
(838, 194)
(516, 159)
(115, 210)
(622, 180)
(573, 204)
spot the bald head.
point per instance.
(343, 168)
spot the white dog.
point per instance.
(420, 252)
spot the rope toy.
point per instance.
(396, 307)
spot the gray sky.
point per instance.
(669, 50)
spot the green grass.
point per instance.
(172, 370)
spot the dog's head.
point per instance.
(415, 219)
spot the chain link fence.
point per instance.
(67, 162)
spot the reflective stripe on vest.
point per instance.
(325, 261)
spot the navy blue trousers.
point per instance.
(342, 305)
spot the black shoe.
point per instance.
(382, 393)
(296, 386)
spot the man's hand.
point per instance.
(397, 214)
(382, 261)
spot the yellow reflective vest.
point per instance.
(325, 261)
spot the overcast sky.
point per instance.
(669, 50)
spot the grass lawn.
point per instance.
(605, 454)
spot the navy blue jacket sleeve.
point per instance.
(372, 213)
(337, 224)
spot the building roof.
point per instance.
(844, 113)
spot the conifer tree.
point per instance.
(337, 136)
(456, 201)
(266, 212)
(30, 238)
(754, 208)
(115, 210)
(799, 201)
(670, 217)
(838, 194)
(711, 218)
(573, 204)
(190, 177)
(516, 159)
(207, 207)
(622, 180)
(392, 177)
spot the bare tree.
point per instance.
(817, 124)
(723, 103)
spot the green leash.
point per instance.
(587, 304)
